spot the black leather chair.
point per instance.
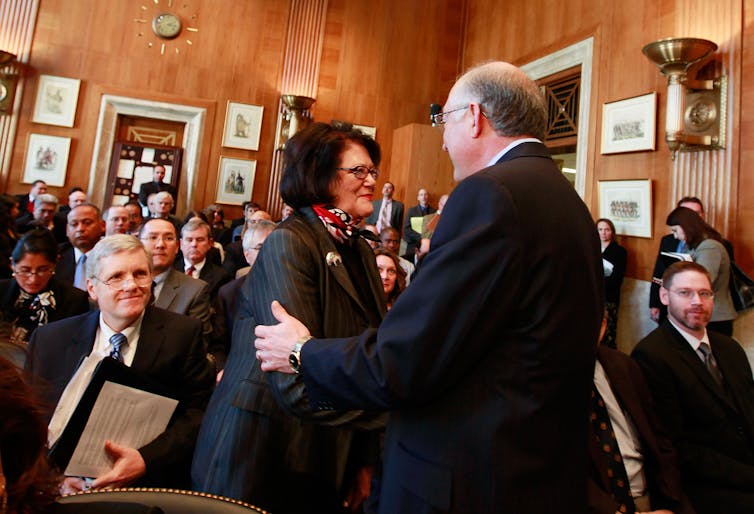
(171, 501)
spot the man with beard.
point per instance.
(703, 390)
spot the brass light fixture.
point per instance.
(295, 116)
(696, 109)
(8, 82)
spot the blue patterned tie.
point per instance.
(118, 340)
(79, 279)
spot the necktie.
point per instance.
(383, 221)
(190, 271)
(616, 472)
(79, 279)
(682, 247)
(118, 340)
(709, 360)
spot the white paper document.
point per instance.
(127, 416)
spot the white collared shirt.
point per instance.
(692, 340)
(511, 146)
(197, 267)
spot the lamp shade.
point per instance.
(675, 55)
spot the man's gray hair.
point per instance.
(195, 224)
(511, 101)
(164, 194)
(45, 198)
(255, 231)
(110, 245)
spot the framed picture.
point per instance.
(628, 204)
(235, 180)
(629, 125)
(243, 124)
(57, 98)
(369, 131)
(46, 159)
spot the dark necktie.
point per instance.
(616, 472)
(709, 360)
(118, 341)
(190, 271)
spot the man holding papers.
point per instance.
(162, 346)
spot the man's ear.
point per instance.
(477, 117)
(664, 296)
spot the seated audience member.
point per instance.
(287, 211)
(116, 220)
(216, 219)
(703, 391)
(174, 291)
(234, 259)
(8, 236)
(245, 207)
(34, 296)
(135, 217)
(76, 196)
(614, 267)
(85, 227)
(634, 467)
(392, 275)
(226, 303)
(390, 240)
(45, 206)
(196, 245)
(165, 347)
(26, 202)
(216, 253)
(431, 220)
(250, 213)
(161, 206)
(156, 186)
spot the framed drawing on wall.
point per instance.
(628, 204)
(243, 124)
(235, 180)
(56, 102)
(46, 159)
(629, 125)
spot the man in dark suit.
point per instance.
(486, 361)
(156, 186)
(76, 196)
(703, 389)
(387, 211)
(26, 202)
(165, 347)
(196, 242)
(412, 237)
(44, 217)
(85, 227)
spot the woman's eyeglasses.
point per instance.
(360, 172)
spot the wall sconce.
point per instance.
(295, 116)
(696, 109)
(8, 82)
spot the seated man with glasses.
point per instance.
(703, 391)
(165, 347)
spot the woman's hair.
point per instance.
(609, 222)
(400, 276)
(31, 483)
(195, 214)
(6, 204)
(311, 157)
(695, 228)
(38, 240)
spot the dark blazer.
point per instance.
(712, 428)
(148, 188)
(58, 227)
(396, 214)
(668, 243)
(412, 237)
(660, 460)
(170, 351)
(615, 254)
(234, 258)
(226, 308)
(243, 418)
(213, 274)
(486, 360)
(65, 270)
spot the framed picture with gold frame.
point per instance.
(243, 125)
(57, 98)
(628, 204)
(235, 180)
(46, 159)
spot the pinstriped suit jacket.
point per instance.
(250, 448)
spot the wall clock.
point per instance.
(169, 24)
(166, 25)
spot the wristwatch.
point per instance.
(294, 359)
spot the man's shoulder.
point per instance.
(658, 341)
(67, 326)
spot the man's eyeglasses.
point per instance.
(140, 278)
(360, 172)
(39, 272)
(153, 238)
(688, 294)
(441, 118)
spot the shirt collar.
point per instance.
(197, 267)
(510, 147)
(131, 332)
(159, 279)
(692, 340)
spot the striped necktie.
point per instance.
(118, 341)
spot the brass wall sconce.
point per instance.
(696, 109)
(295, 116)
(8, 82)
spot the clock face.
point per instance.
(166, 25)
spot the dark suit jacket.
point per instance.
(234, 258)
(712, 430)
(170, 352)
(486, 360)
(660, 460)
(243, 418)
(65, 271)
(226, 308)
(412, 237)
(396, 214)
(213, 274)
(615, 254)
(148, 188)
(668, 243)
(24, 225)
(69, 301)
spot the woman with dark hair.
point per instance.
(393, 276)
(33, 297)
(706, 248)
(614, 258)
(319, 267)
(8, 237)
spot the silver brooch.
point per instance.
(333, 259)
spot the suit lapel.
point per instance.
(151, 339)
(82, 341)
(168, 293)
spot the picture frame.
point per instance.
(57, 98)
(46, 159)
(243, 126)
(628, 204)
(369, 131)
(235, 180)
(629, 125)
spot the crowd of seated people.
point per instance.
(177, 304)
